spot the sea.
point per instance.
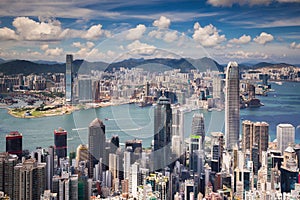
(129, 121)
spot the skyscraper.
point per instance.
(261, 137)
(285, 134)
(85, 89)
(232, 106)
(82, 154)
(60, 143)
(68, 78)
(196, 139)
(247, 135)
(14, 143)
(255, 134)
(96, 143)
(162, 133)
(29, 179)
(198, 127)
(178, 131)
(7, 163)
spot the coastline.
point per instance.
(64, 110)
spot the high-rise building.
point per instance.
(162, 133)
(247, 135)
(232, 106)
(14, 143)
(85, 94)
(96, 142)
(285, 134)
(69, 78)
(135, 179)
(198, 127)
(29, 179)
(60, 143)
(218, 87)
(255, 133)
(289, 170)
(178, 131)
(114, 168)
(261, 137)
(50, 167)
(7, 163)
(82, 154)
(196, 139)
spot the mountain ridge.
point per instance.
(27, 67)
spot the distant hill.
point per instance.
(273, 65)
(27, 67)
(183, 64)
(46, 62)
(205, 63)
(156, 64)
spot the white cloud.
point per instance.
(90, 44)
(77, 44)
(162, 22)
(51, 52)
(263, 38)
(294, 45)
(171, 36)
(208, 36)
(54, 52)
(246, 55)
(7, 34)
(28, 29)
(244, 39)
(156, 34)
(138, 47)
(47, 29)
(86, 45)
(94, 32)
(44, 47)
(167, 35)
(136, 33)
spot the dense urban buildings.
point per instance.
(178, 164)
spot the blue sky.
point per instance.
(105, 30)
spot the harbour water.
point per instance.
(130, 121)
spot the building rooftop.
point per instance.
(289, 149)
(13, 134)
(96, 123)
(285, 125)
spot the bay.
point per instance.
(130, 121)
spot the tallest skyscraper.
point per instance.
(232, 106)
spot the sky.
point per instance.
(246, 31)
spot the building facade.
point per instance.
(232, 106)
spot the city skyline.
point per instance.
(245, 31)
